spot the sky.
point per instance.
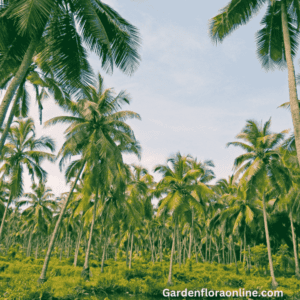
(193, 96)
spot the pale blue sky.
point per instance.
(192, 95)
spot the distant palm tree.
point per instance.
(23, 149)
(260, 164)
(38, 214)
(178, 183)
(99, 134)
(277, 41)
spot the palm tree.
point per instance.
(56, 33)
(178, 183)
(43, 84)
(23, 149)
(38, 214)
(97, 132)
(260, 164)
(277, 41)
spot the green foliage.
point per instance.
(145, 278)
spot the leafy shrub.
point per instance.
(234, 281)
(3, 266)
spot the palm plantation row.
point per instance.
(108, 211)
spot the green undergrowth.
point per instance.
(18, 279)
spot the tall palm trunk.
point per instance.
(127, 250)
(291, 77)
(274, 283)
(191, 235)
(171, 258)
(131, 247)
(160, 246)
(19, 76)
(42, 277)
(245, 243)
(234, 256)
(4, 215)
(223, 247)
(294, 247)
(10, 118)
(103, 255)
(86, 268)
(29, 245)
(78, 245)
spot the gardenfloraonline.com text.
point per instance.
(210, 293)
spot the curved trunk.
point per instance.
(4, 216)
(274, 283)
(86, 269)
(171, 258)
(42, 277)
(9, 121)
(291, 78)
(19, 76)
(294, 247)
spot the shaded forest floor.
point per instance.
(18, 279)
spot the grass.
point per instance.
(18, 279)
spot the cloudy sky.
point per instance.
(192, 95)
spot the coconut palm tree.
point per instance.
(277, 41)
(178, 183)
(56, 33)
(23, 149)
(97, 133)
(38, 214)
(260, 165)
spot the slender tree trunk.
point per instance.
(241, 250)
(206, 247)
(4, 215)
(61, 250)
(42, 278)
(103, 255)
(29, 245)
(291, 77)
(86, 268)
(78, 245)
(171, 258)
(274, 283)
(127, 250)
(131, 247)
(235, 260)
(179, 247)
(10, 119)
(209, 252)
(294, 247)
(196, 251)
(191, 235)
(160, 246)
(245, 243)
(223, 248)
(26, 62)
